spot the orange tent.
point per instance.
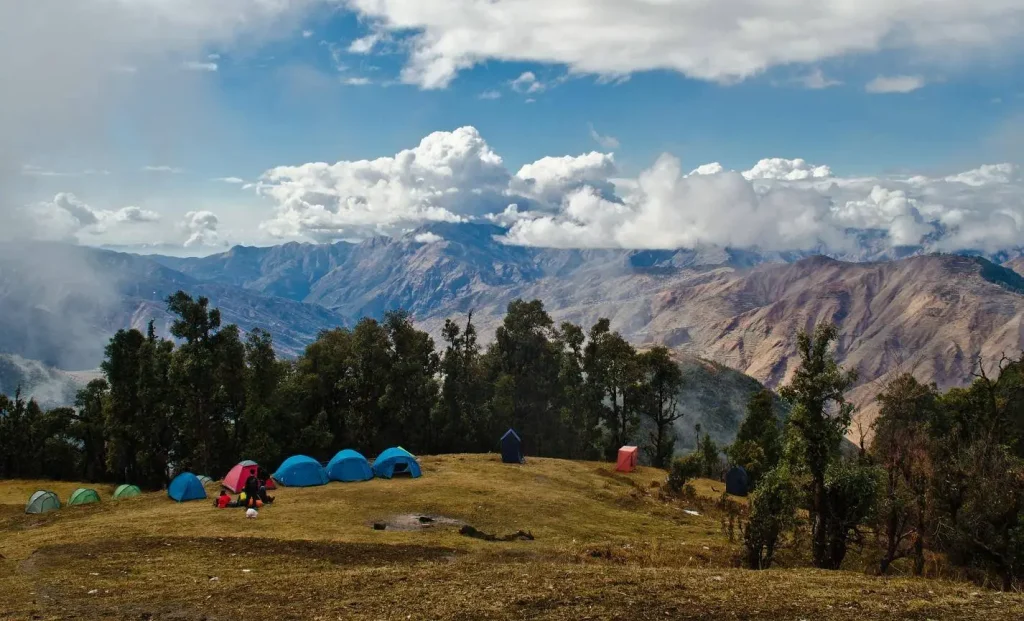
(627, 461)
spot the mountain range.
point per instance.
(897, 309)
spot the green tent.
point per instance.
(126, 491)
(205, 480)
(42, 502)
(83, 496)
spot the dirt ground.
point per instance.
(605, 547)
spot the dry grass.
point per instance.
(606, 547)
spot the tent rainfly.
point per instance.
(126, 491)
(300, 471)
(395, 460)
(349, 465)
(512, 448)
(83, 496)
(627, 460)
(42, 502)
(186, 486)
(235, 479)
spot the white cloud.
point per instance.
(201, 228)
(816, 80)
(723, 42)
(448, 172)
(213, 56)
(986, 174)
(67, 216)
(527, 82)
(199, 66)
(357, 81)
(163, 169)
(786, 170)
(606, 142)
(895, 84)
(232, 180)
(36, 171)
(427, 238)
(307, 34)
(491, 94)
(581, 201)
(364, 45)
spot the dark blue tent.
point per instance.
(300, 471)
(736, 481)
(395, 460)
(512, 448)
(349, 465)
(186, 486)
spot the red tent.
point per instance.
(627, 459)
(237, 476)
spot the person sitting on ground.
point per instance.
(267, 499)
(223, 501)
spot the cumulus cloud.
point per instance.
(895, 84)
(725, 42)
(816, 80)
(201, 227)
(427, 238)
(66, 216)
(447, 172)
(527, 82)
(786, 170)
(583, 201)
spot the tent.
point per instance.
(395, 460)
(126, 491)
(627, 461)
(736, 481)
(235, 479)
(186, 486)
(512, 448)
(83, 496)
(42, 502)
(349, 465)
(205, 480)
(300, 471)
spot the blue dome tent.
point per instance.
(395, 460)
(349, 465)
(512, 448)
(186, 486)
(300, 471)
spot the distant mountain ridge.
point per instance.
(931, 315)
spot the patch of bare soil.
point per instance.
(413, 522)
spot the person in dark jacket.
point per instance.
(252, 491)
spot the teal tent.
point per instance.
(83, 496)
(186, 486)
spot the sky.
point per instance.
(187, 126)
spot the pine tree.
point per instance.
(661, 379)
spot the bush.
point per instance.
(683, 470)
(772, 510)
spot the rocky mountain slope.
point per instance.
(929, 315)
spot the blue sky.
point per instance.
(279, 89)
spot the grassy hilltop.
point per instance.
(606, 547)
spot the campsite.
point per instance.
(605, 545)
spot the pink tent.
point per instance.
(236, 478)
(627, 461)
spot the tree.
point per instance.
(821, 416)
(411, 388)
(523, 366)
(461, 420)
(902, 448)
(612, 372)
(661, 379)
(772, 511)
(89, 428)
(579, 415)
(708, 453)
(851, 489)
(259, 427)
(758, 445)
